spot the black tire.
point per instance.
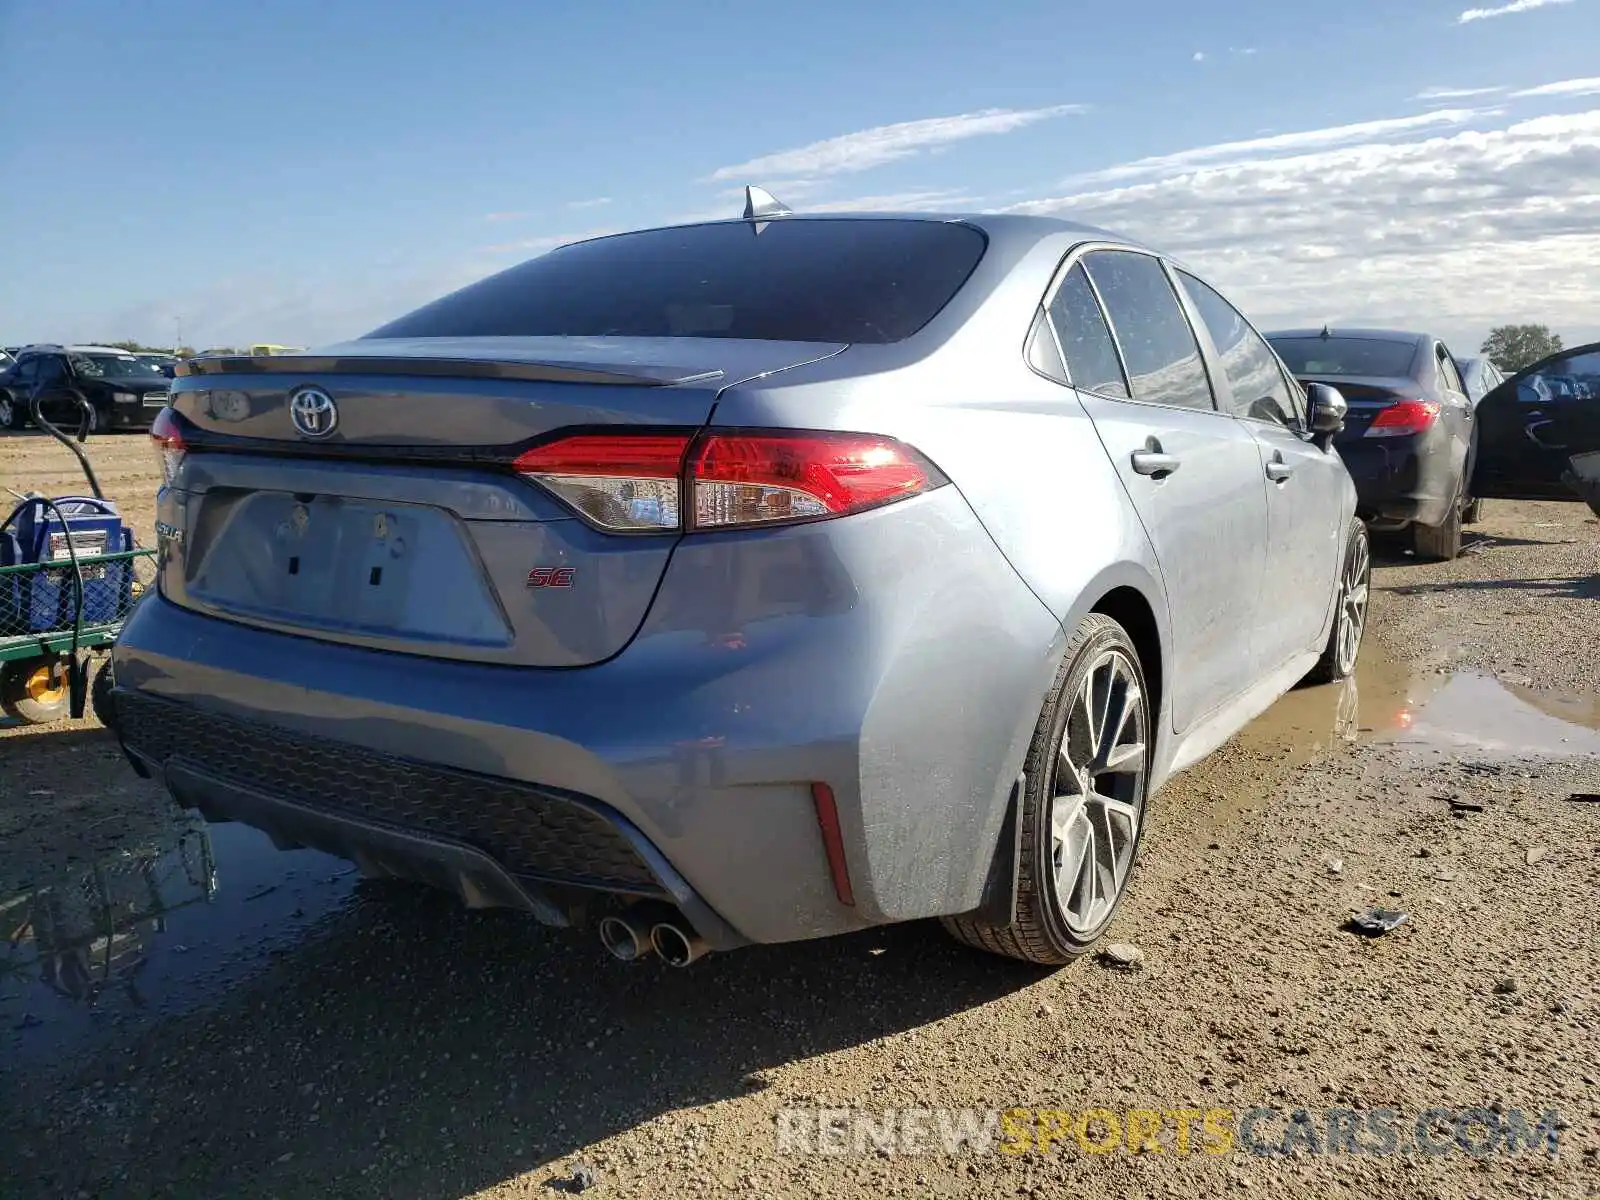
(24, 695)
(1439, 543)
(1041, 932)
(1338, 659)
(100, 698)
(1472, 513)
(12, 414)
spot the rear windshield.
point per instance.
(783, 280)
(1345, 355)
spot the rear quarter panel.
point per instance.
(1024, 455)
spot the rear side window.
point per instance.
(789, 279)
(1448, 375)
(1260, 391)
(1159, 348)
(1086, 344)
(1345, 356)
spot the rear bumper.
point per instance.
(1400, 479)
(681, 769)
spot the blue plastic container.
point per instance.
(44, 600)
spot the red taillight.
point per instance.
(1403, 418)
(638, 481)
(167, 437)
(619, 481)
(754, 479)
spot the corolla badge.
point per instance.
(313, 412)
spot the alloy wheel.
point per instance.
(1353, 604)
(1098, 804)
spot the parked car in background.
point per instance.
(761, 580)
(1479, 376)
(1539, 432)
(1409, 436)
(165, 363)
(122, 392)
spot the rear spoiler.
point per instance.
(444, 368)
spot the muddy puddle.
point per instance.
(161, 924)
(1425, 712)
(1389, 701)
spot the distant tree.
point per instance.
(184, 351)
(1512, 347)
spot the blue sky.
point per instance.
(299, 172)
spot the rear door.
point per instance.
(1192, 473)
(1456, 411)
(1533, 426)
(1307, 488)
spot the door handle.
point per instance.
(1532, 431)
(1278, 470)
(1154, 463)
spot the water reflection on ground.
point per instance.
(156, 926)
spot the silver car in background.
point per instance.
(1479, 376)
(748, 581)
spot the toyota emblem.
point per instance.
(313, 412)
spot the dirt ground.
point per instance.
(282, 1031)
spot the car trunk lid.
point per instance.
(391, 516)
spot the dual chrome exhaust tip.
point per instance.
(645, 929)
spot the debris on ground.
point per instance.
(1335, 866)
(1534, 854)
(1460, 806)
(1120, 956)
(1504, 987)
(1584, 798)
(1377, 921)
(581, 1179)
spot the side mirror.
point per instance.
(1327, 412)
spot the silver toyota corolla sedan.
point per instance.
(748, 581)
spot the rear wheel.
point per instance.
(1338, 659)
(1087, 777)
(100, 699)
(28, 692)
(1441, 543)
(11, 413)
(1472, 513)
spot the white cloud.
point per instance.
(1566, 87)
(595, 203)
(1199, 56)
(1444, 93)
(923, 201)
(1455, 233)
(868, 148)
(538, 245)
(1505, 10)
(504, 216)
(1276, 144)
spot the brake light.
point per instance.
(167, 438)
(628, 481)
(755, 479)
(1403, 418)
(618, 481)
